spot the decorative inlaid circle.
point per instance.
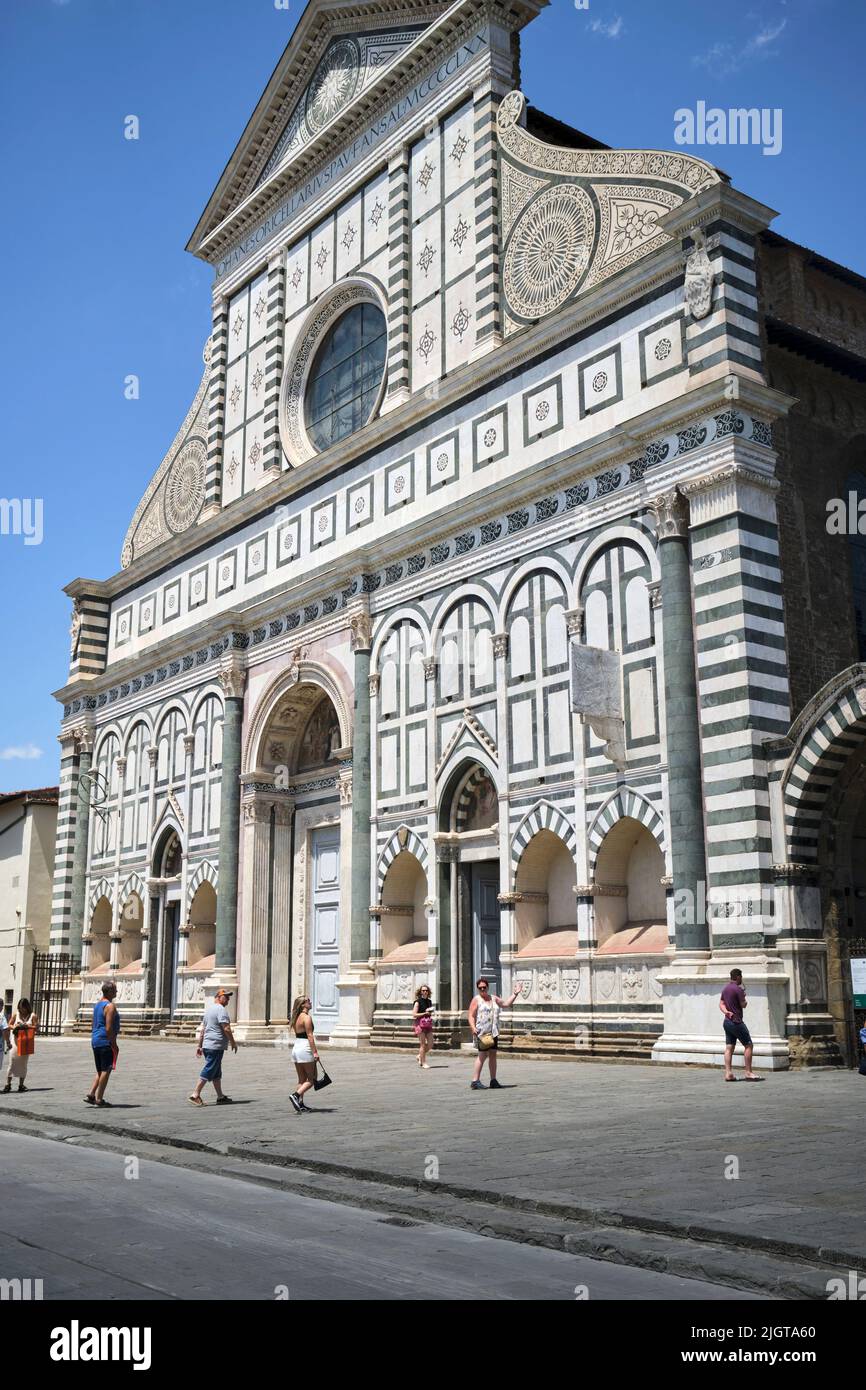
(322, 523)
(509, 111)
(599, 381)
(185, 487)
(662, 349)
(399, 484)
(359, 504)
(549, 251)
(334, 84)
(542, 410)
(442, 462)
(489, 438)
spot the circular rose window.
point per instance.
(346, 376)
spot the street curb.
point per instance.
(598, 1220)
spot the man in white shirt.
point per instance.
(214, 1036)
(5, 1034)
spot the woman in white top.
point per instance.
(23, 1024)
(305, 1053)
(484, 1022)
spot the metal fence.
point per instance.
(49, 982)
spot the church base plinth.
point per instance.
(691, 988)
(357, 991)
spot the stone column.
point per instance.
(361, 851)
(284, 813)
(78, 904)
(232, 678)
(689, 988)
(357, 982)
(253, 1003)
(685, 792)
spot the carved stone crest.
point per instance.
(699, 277)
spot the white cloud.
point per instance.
(26, 750)
(724, 58)
(611, 30)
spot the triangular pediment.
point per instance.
(336, 53)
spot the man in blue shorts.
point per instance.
(214, 1036)
(103, 1040)
(732, 1003)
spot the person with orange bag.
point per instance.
(22, 1026)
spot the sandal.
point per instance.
(732, 1078)
(102, 1104)
(195, 1100)
(7, 1088)
(89, 1100)
(224, 1100)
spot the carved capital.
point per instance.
(500, 645)
(84, 739)
(574, 621)
(345, 784)
(374, 680)
(362, 632)
(671, 515)
(654, 589)
(429, 668)
(233, 679)
(152, 755)
(256, 811)
(188, 742)
(120, 764)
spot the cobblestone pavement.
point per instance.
(645, 1141)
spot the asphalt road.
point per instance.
(92, 1224)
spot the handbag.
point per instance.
(26, 1042)
(425, 1023)
(486, 1041)
(321, 1081)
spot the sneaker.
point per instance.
(296, 1102)
(304, 1109)
(224, 1100)
(477, 1086)
(495, 1086)
(89, 1100)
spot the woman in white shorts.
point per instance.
(305, 1054)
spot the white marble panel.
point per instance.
(376, 215)
(238, 320)
(258, 309)
(322, 258)
(297, 277)
(459, 148)
(460, 322)
(349, 237)
(426, 258)
(235, 394)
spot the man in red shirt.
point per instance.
(732, 1003)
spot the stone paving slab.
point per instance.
(646, 1144)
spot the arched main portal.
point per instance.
(469, 887)
(293, 852)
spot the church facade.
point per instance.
(450, 636)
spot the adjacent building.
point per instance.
(483, 614)
(28, 829)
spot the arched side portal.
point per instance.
(294, 854)
(470, 930)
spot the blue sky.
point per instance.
(98, 285)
